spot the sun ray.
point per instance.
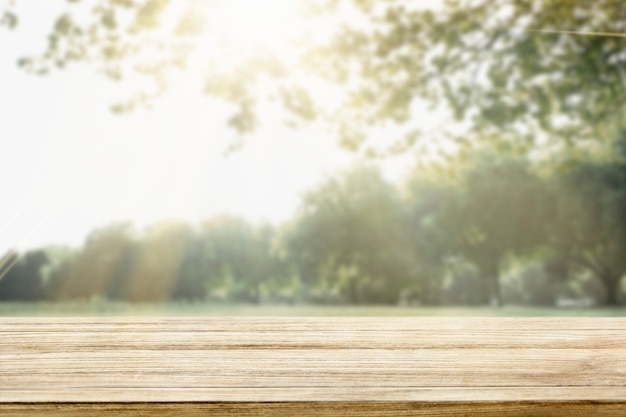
(242, 28)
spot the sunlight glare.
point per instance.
(253, 24)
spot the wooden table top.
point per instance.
(403, 366)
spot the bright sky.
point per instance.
(67, 165)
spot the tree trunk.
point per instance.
(255, 294)
(612, 284)
(496, 299)
(493, 275)
(353, 295)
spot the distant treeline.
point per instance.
(494, 230)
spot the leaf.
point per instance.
(9, 19)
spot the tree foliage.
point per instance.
(499, 232)
(352, 234)
(496, 213)
(242, 255)
(588, 222)
(95, 270)
(504, 66)
(515, 72)
(23, 281)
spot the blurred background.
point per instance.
(313, 157)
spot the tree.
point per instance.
(158, 263)
(352, 233)
(242, 254)
(430, 197)
(23, 282)
(511, 71)
(498, 211)
(7, 262)
(493, 67)
(194, 273)
(97, 269)
(588, 222)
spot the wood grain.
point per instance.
(479, 366)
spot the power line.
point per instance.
(579, 33)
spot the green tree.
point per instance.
(430, 197)
(194, 272)
(512, 71)
(352, 231)
(23, 281)
(498, 211)
(241, 255)
(158, 262)
(501, 67)
(95, 269)
(588, 223)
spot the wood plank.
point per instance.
(74, 341)
(602, 394)
(313, 366)
(319, 409)
(306, 324)
(259, 368)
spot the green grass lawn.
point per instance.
(107, 308)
